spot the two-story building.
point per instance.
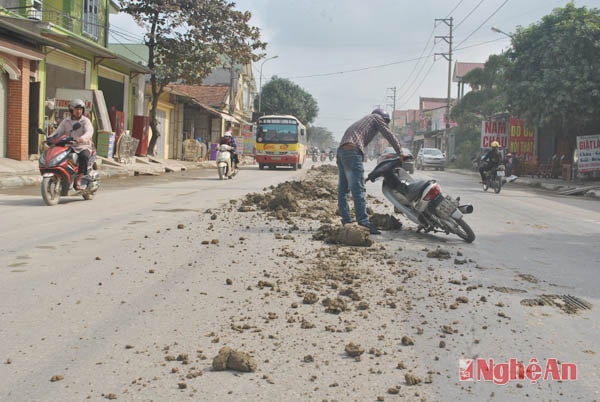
(203, 111)
(52, 51)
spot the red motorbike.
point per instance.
(60, 172)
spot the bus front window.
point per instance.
(278, 133)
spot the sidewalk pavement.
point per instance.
(15, 173)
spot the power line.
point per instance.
(483, 23)
(420, 83)
(469, 14)
(355, 69)
(454, 9)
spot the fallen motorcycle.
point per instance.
(60, 172)
(422, 201)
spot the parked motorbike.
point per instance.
(331, 155)
(494, 178)
(60, 172)
(315, 156)
(323, 156)
(225, 166)
(422, 201)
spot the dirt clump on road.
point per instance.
(321, 311)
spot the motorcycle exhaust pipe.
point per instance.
(466, 209)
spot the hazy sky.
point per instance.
(351, 54)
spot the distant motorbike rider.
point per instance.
(80, 128)
(229, 139)
(490, 160)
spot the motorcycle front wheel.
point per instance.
(463, 230)
(51, 189)
(222, 172)
(497, 184)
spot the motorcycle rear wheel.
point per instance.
(51, 190)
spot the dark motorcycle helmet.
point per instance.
(385, 115)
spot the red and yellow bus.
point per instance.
(280, 141)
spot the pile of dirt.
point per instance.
(316, 198)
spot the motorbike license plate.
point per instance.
(500, 173)
(445, 208)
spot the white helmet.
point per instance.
(76, 103)
(227, 134)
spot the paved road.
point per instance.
(103, 300)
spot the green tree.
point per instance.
(187, 39)
(484, 101)
(553, 79)
(282, 96)
(320, 137)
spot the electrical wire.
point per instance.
(483, 23)
(469, 14)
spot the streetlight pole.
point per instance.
(260, 81)
(498, 30)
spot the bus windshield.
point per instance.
(278, 133)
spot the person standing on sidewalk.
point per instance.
(350, 162)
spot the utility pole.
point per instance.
(447, 56)
(392, 105)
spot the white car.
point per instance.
(430, 158)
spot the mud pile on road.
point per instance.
(303, 308)
(315, 198)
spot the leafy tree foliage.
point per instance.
(487, 97)
(554, 76)
(321, 137)
(485, 100)
(187, 39)
(282, 96)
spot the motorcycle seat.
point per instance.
(414, 190)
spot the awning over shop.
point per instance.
(224, 116)
(43, 33)
(27, 36)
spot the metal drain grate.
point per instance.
(567, 303)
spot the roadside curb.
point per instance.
(18, 173)
(545, 185)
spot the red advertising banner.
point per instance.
(494, 131)
(522, 139)
(588, 149)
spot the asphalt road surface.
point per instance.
(132, 294)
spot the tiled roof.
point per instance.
(433, 103)
(211, 95)
(460, 69)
